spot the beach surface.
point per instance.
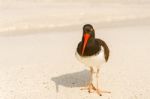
(43, 66)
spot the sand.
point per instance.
(37, 55)
(43, 66)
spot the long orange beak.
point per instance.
(86, 37)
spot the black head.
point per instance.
(88, 29)
(88, 36)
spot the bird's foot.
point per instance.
(90, 87)
(99, 92)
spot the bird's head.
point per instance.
(88, 35)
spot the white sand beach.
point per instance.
(37, 53)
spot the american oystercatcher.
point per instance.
(93, 53)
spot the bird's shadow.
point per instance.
(76, 79)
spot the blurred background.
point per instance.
(16, 15)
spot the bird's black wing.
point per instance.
(106, 49)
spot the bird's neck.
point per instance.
(91, 48)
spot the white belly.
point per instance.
(92, 61)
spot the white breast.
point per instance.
(92, 61)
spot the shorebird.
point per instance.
(93, 53)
